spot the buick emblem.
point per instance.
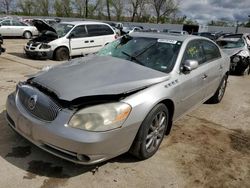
(32, 102)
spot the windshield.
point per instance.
(62, 29)
(233, 43)
(158, 54)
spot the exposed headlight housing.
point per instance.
(44, 46)
(102, 117)
(236, 59)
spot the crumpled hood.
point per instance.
(232, 51)
(97, 75)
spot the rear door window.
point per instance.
(211, 51)
(6, 22)
(99, 30)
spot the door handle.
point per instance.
(204, 77)
(92, 41)
(86, 41)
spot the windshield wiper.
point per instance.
(132, 58)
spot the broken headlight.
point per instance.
(102, 117)
(44, 46)
(236, 59)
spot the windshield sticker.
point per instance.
(167, 41)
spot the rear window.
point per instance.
(99, 30)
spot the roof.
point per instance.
(169, 36)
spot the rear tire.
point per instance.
(151, 133)
(62, 54)
(27, 34)
(217, 97)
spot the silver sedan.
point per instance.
(11, 27)
(123, 99)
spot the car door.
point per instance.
(79, 41)
(17, 28)
(214, 65)
(192, 85)
(96, 34)
(5, 29)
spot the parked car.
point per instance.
(178, 32)
(124, 98)
(68, 39)
(11, 27)
(207, 35)
(1, 43)
(237, 46)
(128, 29)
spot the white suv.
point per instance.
(68, 39)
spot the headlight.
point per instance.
(44, 46)
(236, 59)
(102, 117)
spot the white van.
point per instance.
(68, 39)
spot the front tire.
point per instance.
(27, 34)
(217, 97)
(62, 54)
(151, 133)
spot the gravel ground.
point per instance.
(209, 147)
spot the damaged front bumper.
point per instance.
(36, 52)
(72, 144)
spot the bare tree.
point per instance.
(95, 6)
(136, 5)
(26, 6)
(6, 5)
(58, 8)
(118, 6)
(80, 7)
(86, 8)
(164, 8)
(108, 9)
(44, 7)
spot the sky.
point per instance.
(204, 10)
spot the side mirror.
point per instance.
(71, 35)
(190, 65)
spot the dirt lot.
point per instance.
(209, 147)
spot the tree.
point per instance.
(63, 8)
(108, 9)
(86, 8)
(6, 4)
(164, 8)
(80, 7)
(118, 6)
(136, 4)
(95, 6)
(26, 6)
(44, 7)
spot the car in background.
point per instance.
(130, 29)
(178, 32)
(16, 28)
(122, 99)
(206, 34)
(237, 46)
(68, 39)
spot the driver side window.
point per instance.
(79, 32)
(194, 51)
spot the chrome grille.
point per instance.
(37, 103)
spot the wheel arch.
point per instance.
(62, 46)
(171, 108)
